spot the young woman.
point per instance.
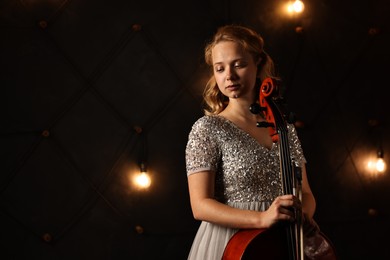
(233, 165)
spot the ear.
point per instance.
(259, 60)
(262, 59)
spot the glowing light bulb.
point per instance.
(295, 7)
(142, 180)
(380, 165)
(377, 165)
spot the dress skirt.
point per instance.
(211, 239)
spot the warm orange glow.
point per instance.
(142, 180)
(370, 164)
(296, 6)
(378, 165)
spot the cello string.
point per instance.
(286, 175)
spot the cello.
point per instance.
(284, 241)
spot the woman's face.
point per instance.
(234, 70)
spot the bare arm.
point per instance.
(308, 200)
(206, 208)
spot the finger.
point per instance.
(287, 197)
(292, 201)
(285, 214)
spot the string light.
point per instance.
(378, 165)
(296, 6)
(142, 179)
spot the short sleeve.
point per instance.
(202, 151)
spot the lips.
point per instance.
(233, 87)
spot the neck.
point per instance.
(239, 109)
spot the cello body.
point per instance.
(246, 245)
(271, 244)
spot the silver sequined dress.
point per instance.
(247, 174)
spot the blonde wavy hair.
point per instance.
(214, 101)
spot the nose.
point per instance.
(230, 74)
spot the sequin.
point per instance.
(245, 170)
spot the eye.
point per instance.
(240, 64)
(218, 68)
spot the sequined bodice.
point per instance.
(245, 170)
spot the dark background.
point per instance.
(79, 78)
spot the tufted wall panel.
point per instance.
(81, 78)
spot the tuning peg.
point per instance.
(255, 108)
(264, 124)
